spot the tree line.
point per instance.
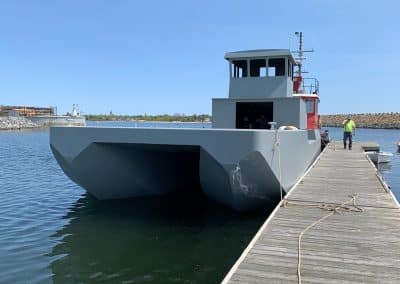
(390, 120)
(145, 117)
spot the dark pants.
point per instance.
(349, 136)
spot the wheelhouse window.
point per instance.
(258, 68)
(239, 68)
(276, 67)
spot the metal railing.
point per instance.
(309, 86)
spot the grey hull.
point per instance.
(239, 168)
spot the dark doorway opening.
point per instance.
(254, 115)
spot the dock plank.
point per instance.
(351, 247)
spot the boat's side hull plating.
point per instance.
(239, 168)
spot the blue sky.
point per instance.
(154, 57)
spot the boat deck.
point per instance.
(357, 242)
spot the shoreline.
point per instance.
(36, 123)
(156, 121)
(17, 123)
(369, 121)
(363, 120)
(388, 127)
(338, 125)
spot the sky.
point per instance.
(167, 57)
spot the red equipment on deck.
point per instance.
(296, 84)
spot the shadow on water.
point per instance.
(384, 168)
(170, 239)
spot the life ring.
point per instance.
(288, 127)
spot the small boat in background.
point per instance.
(398, 146)
(379, 157)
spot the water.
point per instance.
(51, 231)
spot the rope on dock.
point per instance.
(333, 208)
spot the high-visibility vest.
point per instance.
(349, 125)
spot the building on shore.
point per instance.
(44, 116)
(26, 111)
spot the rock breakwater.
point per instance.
(364, 120)
(9, 123)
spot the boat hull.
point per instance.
(380, 157)
(243, 169)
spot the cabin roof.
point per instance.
(259, 53)
(306, 95)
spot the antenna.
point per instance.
(300, 58)
(299, 62)
(300, 52)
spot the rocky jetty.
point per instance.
(364, 120)
(8, 123)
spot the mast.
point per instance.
(298, 80)
(300, 58)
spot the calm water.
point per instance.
(51, 231)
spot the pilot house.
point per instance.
(263, 89)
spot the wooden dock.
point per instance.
(342, 241)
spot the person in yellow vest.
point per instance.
(349, 128)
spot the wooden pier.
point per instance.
(339, 224)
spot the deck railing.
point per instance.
(309, 86)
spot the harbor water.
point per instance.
(51, 231)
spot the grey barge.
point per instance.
(264, 136)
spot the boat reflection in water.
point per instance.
(170, 239)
